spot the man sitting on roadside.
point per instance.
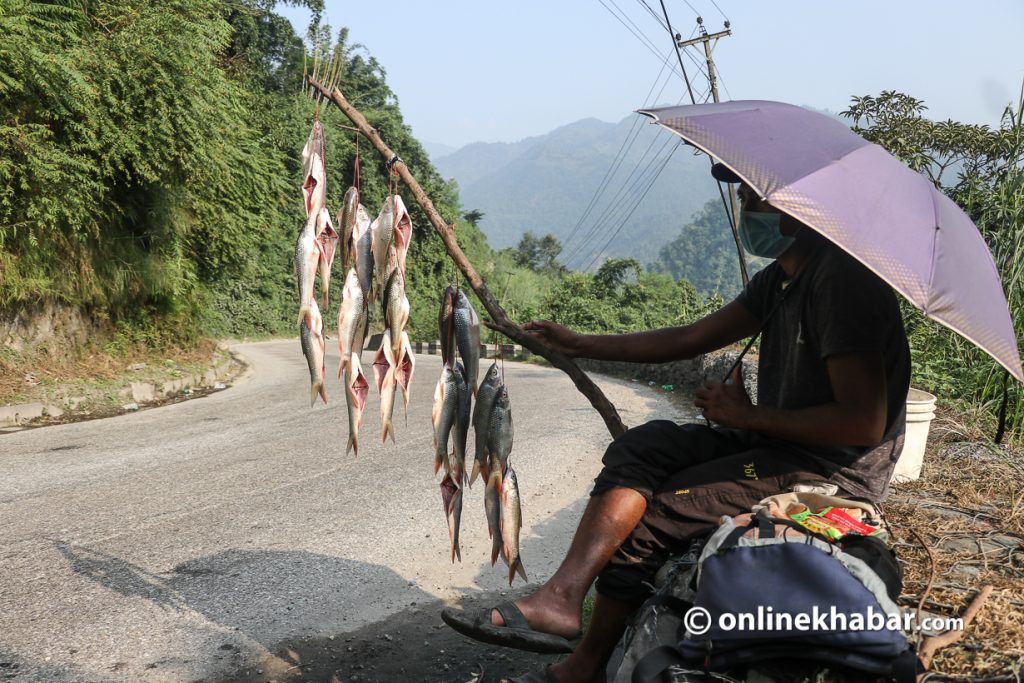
(833, 376)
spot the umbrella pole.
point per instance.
(499, 320)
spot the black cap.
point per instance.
(722, 173)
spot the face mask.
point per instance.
(761, 236)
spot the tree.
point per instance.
(539, 254)
(473, 217)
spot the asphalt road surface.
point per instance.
(178, 543)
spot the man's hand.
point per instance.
(725, 404)
(555, 336)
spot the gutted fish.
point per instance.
(362, 250)
(347, 224)
(356, 391)
(492, 506)
(446, 326)
(314, 178)
(403, 231)
(451, 498)
(327, 241)
(405, 367)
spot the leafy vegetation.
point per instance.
(981, 170)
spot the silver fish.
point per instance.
(356, 391)
(511, 523)
(307, 258)
(395, 309)
(467, 336)
(462, 415)
(457, 459)
(451, 497)
(347, 224)
(403, 231)
(362, 250)
(499, 429)
(485, 396)
(446, 326)
(442, 415)
(492, 506)
(352, 317)
(311, 336)
(383, 232)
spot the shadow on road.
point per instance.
(261, 593)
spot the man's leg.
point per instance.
(607, 521)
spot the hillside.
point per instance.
(544, 184)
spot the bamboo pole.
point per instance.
(499, 320)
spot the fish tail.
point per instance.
(475, 473)
(516, 568)
(304, 312)
(315, 391)
(353, 445)
(495, 547)
(389, 430)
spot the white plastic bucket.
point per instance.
(920, 411)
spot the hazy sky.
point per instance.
(469, 70)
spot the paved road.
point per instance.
(174, 544)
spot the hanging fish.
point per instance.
(384, 369)
(307, 258)
(492, 506)
(384, 258)
(499, 429)
(485, 397)
(403, 231)
(467, 337)
(451, 498)
(311, 336)
(395, 309)
(461, 430)
(362, 251)
(442, 415)
(347, 224)
(446, 325)
(352, 317)
(511, 523)
(406, 366)
(314, 178)
(327, 242)
(356, 392)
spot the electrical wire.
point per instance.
(625, 220)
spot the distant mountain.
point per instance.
(436, 150)
(544, 184)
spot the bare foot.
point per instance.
(548, 612)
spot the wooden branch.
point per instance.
(932, 644)
(499, 320)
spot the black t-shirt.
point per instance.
(836, 305)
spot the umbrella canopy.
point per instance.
(889, 217)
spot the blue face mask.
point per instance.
(761, 236)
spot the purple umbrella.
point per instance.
(890, 218)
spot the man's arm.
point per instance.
(728, 324)
(855, 418)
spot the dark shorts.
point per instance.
(690, 475)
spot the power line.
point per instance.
(647, 189)
(672, 36)
(622, 198)
(620, 155)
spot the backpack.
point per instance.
(772, 571)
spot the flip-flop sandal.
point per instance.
(516, 633)
(542, 676)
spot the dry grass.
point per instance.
(969, 508)
(25, 376)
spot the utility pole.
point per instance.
(709, 40)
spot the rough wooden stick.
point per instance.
(932, 644)
(499, 320)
